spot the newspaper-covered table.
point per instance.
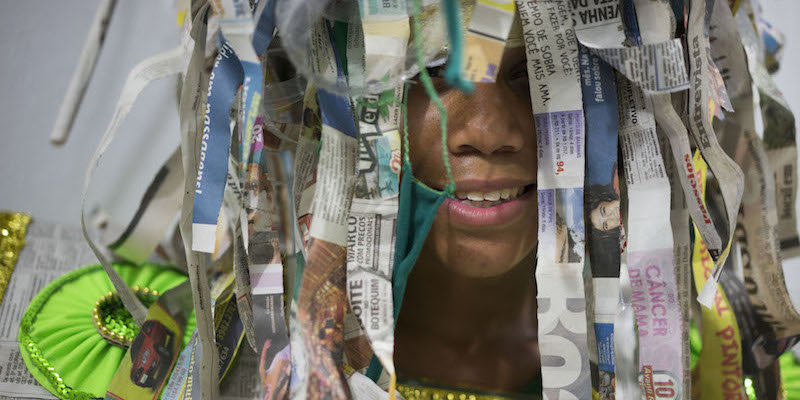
(51, 251)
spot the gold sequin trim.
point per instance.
(411, 392)
(12, 240)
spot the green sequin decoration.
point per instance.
(114, 322)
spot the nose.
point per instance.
(484, 122)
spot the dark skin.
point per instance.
(469, 313)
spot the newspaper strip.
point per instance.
(249, 34)
(253, 182)
(764, 276)
(656, 22)
(83, 72)
(626, 341)
(779, 138)
(155, 67)
(649, 253)
(265, 201)
(659, 23)
(160, 204)
(224, 81)
(228, 327)
(682, 253)
(373, 220)
(760, 347)
(334, 186)
(768, 383)
(307, 156)
(486, 39)
(50, 251)
(322, 298)
(555, 86)
(265, 277)
(386, 29)
(193, 104)
(602, 202)
(229, 335)
(373, 214)
(599, 26)
(722, 344)
(237, 27)
(281, 178)
(656, 67)
(727, 172)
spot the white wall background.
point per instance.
(39, 43)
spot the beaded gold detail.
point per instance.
(412, 392)
(12, 240)
(114, 322)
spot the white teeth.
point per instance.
(497, 195)
(492, 196)
(475, 196)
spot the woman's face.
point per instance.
(492, 224)
(605, 216)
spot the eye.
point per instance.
(437, 71)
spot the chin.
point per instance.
(477, 253)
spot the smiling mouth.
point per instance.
(493, 198)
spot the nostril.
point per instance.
(466, 149)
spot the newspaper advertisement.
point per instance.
(682, 252)
(602, 206)
(555, 88)
(722, 344)
(649, 253)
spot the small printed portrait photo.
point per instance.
(602, 210)
(569, 226)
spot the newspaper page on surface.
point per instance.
(50, 251)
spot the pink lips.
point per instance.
(501, 214)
